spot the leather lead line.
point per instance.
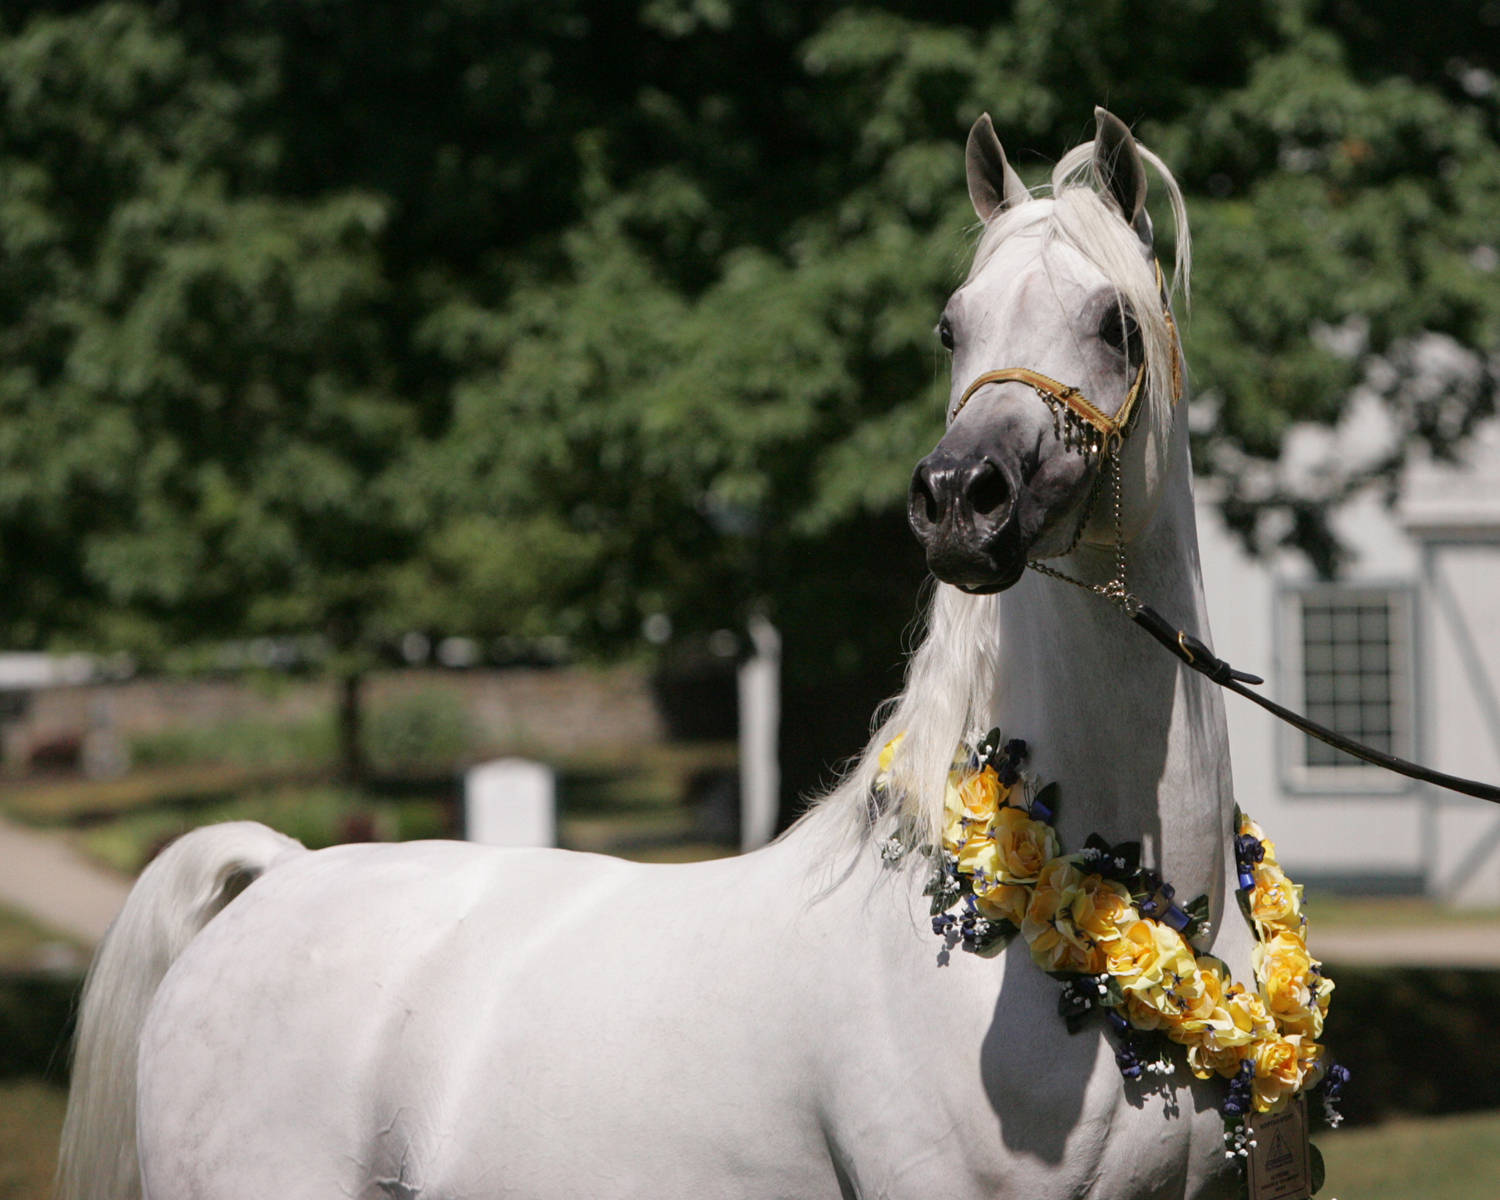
(1195, 654)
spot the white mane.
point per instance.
(950, 678)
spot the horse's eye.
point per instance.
(945, 333)
(1119, 330)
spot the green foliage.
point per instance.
(315, 816)
(249, 742)
(419, 731)
(197, 436)
(516, 320)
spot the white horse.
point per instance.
(441, 1020)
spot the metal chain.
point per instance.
(1116, 591)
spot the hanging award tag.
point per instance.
(1280, 1165)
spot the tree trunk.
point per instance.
(352, 766)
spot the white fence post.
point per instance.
(511, 802)
(760, 725)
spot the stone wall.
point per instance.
(510, 709)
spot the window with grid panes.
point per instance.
(1356, 671)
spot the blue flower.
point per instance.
(1237, 1103)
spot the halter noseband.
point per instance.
(1082, 425)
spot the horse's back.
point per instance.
(443, 1019)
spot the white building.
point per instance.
(1402, 652)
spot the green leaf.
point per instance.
(1197, 911)
(999, 936)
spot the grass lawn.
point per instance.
(1432, 1158)
(316, 815)
(31, 1116)
(24, 941)
(1329, 911)
(628, 800)
(1436, 1158)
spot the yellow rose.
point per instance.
(980, 795)
(1222, 1041)
(1158, 973)
(1024, 846)
(1063, 948)
(1278, 1072)
(1313, 1059)
(1215, 1028)
(1207, 1059)
(1200, 1003)
(1275, 901)
(885, 777)
(1135, 949)
(1248, 1011)
(1296, 995)
(1216, 983)
(1057, 883)
(969, 802)
(1101, 907)
(979, 857)
(1181, 998)
(1148, 956)
(1003, 902)
(1141, 1014)
(1056, 945)
(954, 825)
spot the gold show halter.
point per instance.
(1097, 435)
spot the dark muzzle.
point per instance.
(961, 507)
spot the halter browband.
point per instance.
(1060, 397)
(1081, 420)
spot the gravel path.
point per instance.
(44, 876)
(1455, 945)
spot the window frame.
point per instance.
(1299, 777)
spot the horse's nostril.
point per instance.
(922, 505)
(987, 490)
(930, 508)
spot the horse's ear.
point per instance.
(1121, 170)
(993, 184)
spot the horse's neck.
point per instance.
(1137, 745)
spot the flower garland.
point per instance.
(1116, 936)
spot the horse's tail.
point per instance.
(176, 896)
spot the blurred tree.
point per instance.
(516, 320)
(197, 436)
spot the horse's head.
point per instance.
(1061, 343)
